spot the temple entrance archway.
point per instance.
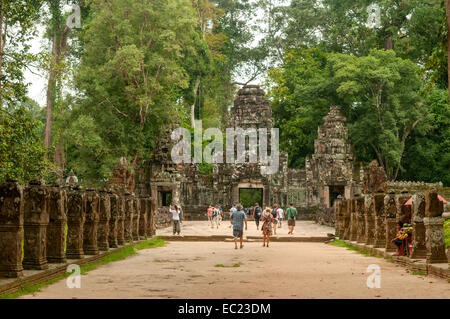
(249, 196)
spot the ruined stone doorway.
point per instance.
(335, 191)
(166, 198)
(249, 196)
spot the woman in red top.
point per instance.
(210, 215)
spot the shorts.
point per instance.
(291, 222)
(398, 242)
(275, 221)
(238, 233)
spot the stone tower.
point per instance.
(330, 170)
(251, 110)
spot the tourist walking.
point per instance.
(232, 210)
(280, 216)
(275, 218)
(220, 213)
(210, 216)
(267, 220)
(238, 218)
(291, 214)
(176, 219)
(257, 215)
(216, 213)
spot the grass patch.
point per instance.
(447, 233)
(419, 273)
(119, 255)
(223, 266)
(340, 243)
(125, 252)
(152, 243)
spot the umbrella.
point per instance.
(409, 201)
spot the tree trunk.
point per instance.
(197, 84)
(51, 92)
(388, 44)
(447, 9)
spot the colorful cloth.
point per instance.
(267, 225)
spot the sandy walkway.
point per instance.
(285, 270)
(202, 228)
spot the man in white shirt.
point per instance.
(281, 216)
(175, 219)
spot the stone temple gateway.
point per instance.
(328, 173)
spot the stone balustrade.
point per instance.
(54, 223)
(371, 219)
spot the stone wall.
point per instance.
(41, 212)
(380, 213)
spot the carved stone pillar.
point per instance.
(129, 214)
(353, 220)
(338, 217)
(361, 232)
(103, 221)
(403, 212)
(136, 217)
(114, 220)
(150, 217)
(90, 246)
(380, 221)
(390, 211)
(419, 250)
(56, 229)
(434, 229)
(11, 227)
(121, 220)
(75, 221)
(345, 219)
(36, 219)
(369, 212)
(143, 219)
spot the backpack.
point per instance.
(274, 213)
(258, 211)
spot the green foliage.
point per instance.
(133, 75)
(17, 25)
(21, 150)
(301, 91)
(205, 168)
(152, 243)
(248, 197)
(432, 146)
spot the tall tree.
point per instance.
(16, 29)
(131, 72)
(379, 94)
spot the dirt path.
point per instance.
(202, 228)
(285, 270)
